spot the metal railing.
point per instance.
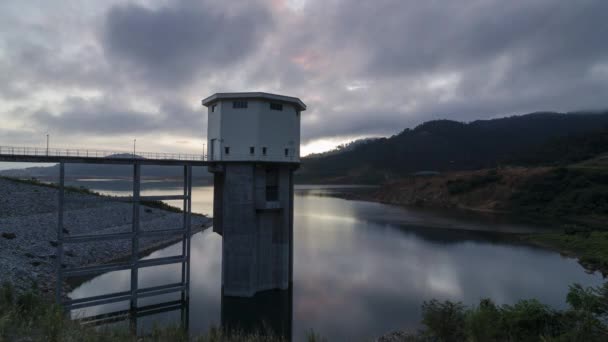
(90, 153)
(232, 156)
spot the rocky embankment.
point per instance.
(28, 231)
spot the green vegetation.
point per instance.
(564, 192)
(28, 317)
(442, 145)
(566, 150)
(586, 319)
(591, 247)
(459, 186)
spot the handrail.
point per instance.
(91, 153)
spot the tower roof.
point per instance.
(254, 95)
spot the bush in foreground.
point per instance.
(30, 318)
(586, 319)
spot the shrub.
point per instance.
(527, 320)
(459, 186)
(482, 322)
(445, 320)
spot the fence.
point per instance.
(87, 153)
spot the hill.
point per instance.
(445, 145)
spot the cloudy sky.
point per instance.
(98, 74)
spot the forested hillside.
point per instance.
(444, 145)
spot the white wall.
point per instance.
(256, 126)
(214, 120)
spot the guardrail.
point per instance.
(89, 153)
(272, 157)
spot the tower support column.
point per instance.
(253, 211)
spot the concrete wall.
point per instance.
(257, 234)
(256, 126)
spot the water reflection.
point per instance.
(363, 269)
(135, 318)
(266, 312)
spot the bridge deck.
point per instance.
(80, 156)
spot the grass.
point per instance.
(29, 317)
(590, 247)
(586, 319)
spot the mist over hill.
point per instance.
(445, 145)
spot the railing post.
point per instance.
(59, 258)
(185, 231)
(189, 229)
(135, 238)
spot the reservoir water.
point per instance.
(361, 269)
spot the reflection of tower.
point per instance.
(266, 312)
(254, 147)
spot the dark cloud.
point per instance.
(363, 67)
(506, 58)
(105, 117)
(404, 37)
(172, 45)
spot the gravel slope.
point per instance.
(28, 224)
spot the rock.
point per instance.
(35, 259)
(9, 236)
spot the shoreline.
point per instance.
(555, 241)
(28, 224)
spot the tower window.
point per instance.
(213, 108)
(286, 152)
(264, 150)
(239, 104)
(251, 150)
(226, 150)
(276, 106)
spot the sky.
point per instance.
(98, 74)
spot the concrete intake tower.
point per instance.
(254, 148)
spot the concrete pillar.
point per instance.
(269, 310)
(253, 209)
